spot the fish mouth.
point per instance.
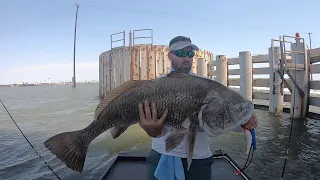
(247, 114)
(248, 111)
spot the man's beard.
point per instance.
(184, 67)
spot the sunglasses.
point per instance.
(181, 53)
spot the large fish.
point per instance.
(194, 104)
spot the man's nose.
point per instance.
(187, 58)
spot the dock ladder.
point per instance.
(285, 65)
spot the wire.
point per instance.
(108, 8)
(8, 31)
(247, 163)
(288, 147)
(29, 141)
(291, 118)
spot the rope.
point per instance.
(29, 141)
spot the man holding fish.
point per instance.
(181, 53)
(186, 110)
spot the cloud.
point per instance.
(87, 70)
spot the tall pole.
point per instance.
(310, 39)
(74, 50)
(311, 77)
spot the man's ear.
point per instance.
(169, 56)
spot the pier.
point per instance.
(285, 70)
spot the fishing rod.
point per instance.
(29, 141)
(253, 146)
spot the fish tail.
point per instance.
(67, 147)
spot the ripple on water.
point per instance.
(42, 112)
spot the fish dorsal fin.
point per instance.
(177, 74)
(115, 93)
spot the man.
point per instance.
(181, 52)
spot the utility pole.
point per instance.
(311, 77)
(310, 39)
(74, 50)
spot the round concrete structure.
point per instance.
(144, 61)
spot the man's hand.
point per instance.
(252, 123)
(150, 122)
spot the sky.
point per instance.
(36, 36)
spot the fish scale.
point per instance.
(184, 103)
(130, 99)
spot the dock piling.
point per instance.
(276, 84)
(222, 69)
(246, 74)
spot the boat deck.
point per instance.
(132, 165)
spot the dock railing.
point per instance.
(271, 77)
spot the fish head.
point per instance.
(224, 111)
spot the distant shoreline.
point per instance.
(43, 84)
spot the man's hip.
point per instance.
(200, 169)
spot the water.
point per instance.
(44, 111)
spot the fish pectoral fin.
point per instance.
(114, 94)
(117, 131)
(186, 123)
(174, 139)
(191, 141)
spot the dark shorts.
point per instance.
(200, 169)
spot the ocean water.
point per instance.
(43, 111)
